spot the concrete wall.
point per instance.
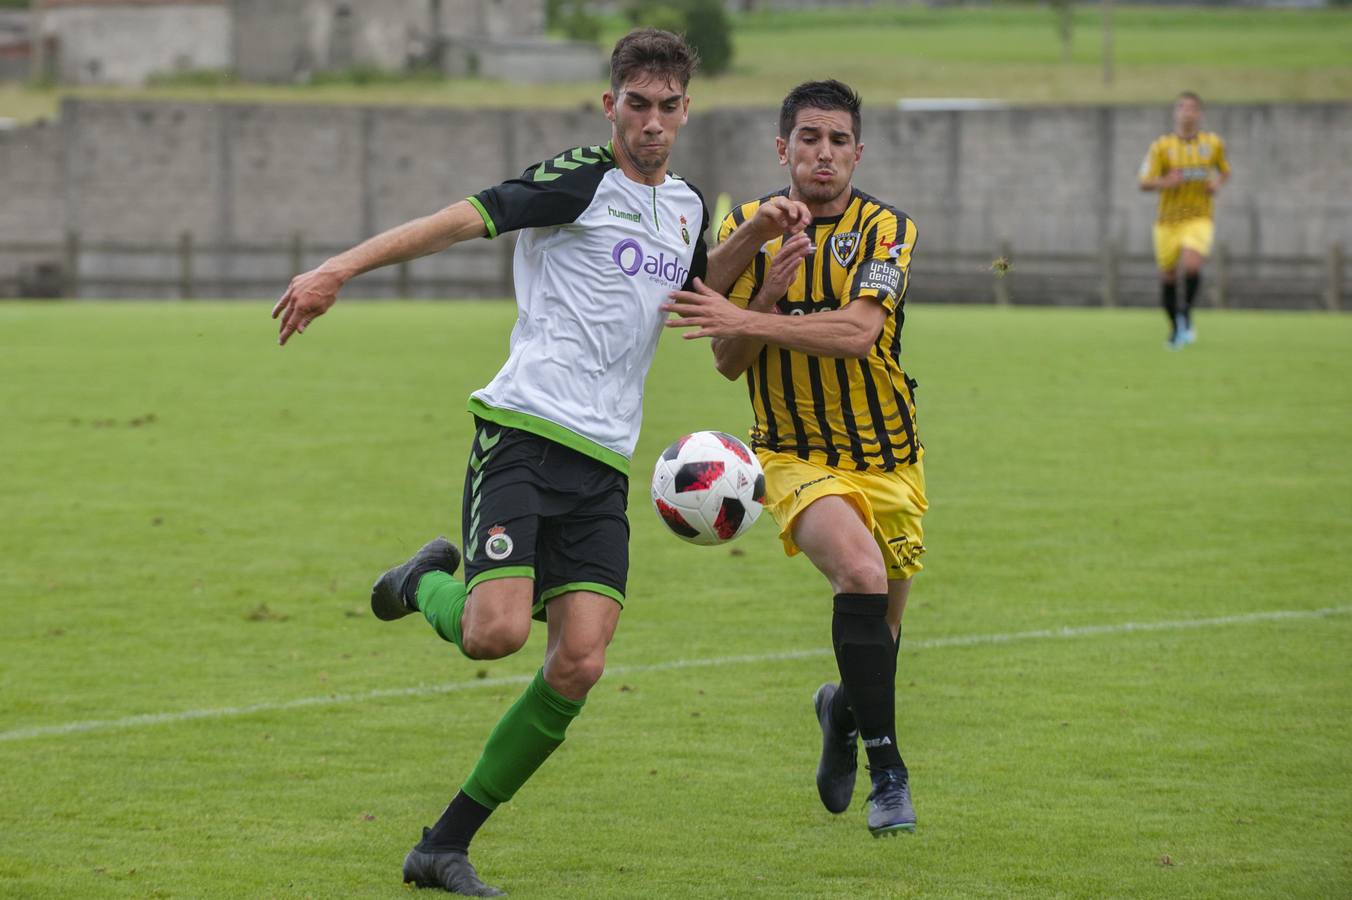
(1056, 180)
(1064, 178)
(524, 60)
(288, 40)
(112, 44)
(291, 39)
(31, 177)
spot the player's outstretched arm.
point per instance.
(1171, 179)
(311, 293)
(776, 216)
(848, 332)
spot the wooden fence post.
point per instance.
(185, 279)
(1112, 258)
(1001, 269)
(70, 268)
(1220, 283)
(1333, 292)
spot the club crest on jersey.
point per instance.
(685, 234)
(844, 246)
(499, 544)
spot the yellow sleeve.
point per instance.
(744, 288)
(1220, 162)
(1155, 165)
(726, 227)
(886, 273)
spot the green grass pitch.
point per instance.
(195, 701)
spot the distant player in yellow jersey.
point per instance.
(1187, 167)
(814, 324)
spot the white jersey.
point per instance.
(598, 257)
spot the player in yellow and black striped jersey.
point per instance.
(1187, 167)
(814, 325)
(855, 413)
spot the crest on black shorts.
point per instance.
(844, 246)
(499, 544)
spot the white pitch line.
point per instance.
(969, 640)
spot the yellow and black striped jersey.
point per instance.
(851, 413)
(1196, 158)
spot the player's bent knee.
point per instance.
(495, 637)
(860, 576)
(575, 675)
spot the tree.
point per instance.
(1065, 25)
(1107, 41)
(572, 19)
(704, 23)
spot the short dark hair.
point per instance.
(653, 52)
(1189, 95)
(830, 94)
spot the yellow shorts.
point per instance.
(890, 503)
(1172, 238)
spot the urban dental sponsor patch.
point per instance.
(880, 276)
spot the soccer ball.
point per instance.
(708, 487)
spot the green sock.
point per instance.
(521, 742)
(442, 601)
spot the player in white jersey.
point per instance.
(607, 234)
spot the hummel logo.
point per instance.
(625, 214)
(883, 741)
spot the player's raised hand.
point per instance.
(780, 215)
(308, 297)
(783, 270)
(706, 310)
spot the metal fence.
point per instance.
(187, 269)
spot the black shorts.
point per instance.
(538, 509)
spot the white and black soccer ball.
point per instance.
(708, 487)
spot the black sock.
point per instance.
(867, 657)
(842, 717)
(1169, 297)
(456, 827)
(1191, 282)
